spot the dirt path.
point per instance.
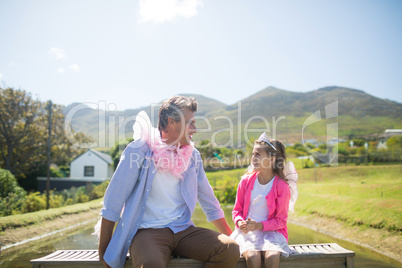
(384, 242)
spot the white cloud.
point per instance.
(1, 82)
(74, 67)
(60, 70)
(58, 53)
(13, 63)
(160, 11)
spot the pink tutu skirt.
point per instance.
(261, 241)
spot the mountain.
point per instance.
(206, 106)
(282, 113)
(352, 102)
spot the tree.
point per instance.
(206, 150)
(24, 132)
(116, 151)
(394, 143)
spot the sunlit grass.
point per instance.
(367, 196)
(26, 219)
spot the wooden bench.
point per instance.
(311, 255)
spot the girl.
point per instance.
(262, 203)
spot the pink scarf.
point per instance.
(167, 158)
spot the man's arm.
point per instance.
(222, 226)
(106, 233)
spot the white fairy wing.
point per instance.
(291, 177)
(142, 126)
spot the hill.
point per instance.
(277, 102)
(283, 113)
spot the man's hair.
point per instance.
(173, 107)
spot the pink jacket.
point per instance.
(277, 200)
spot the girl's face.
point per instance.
(260, 160)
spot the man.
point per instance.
(157, 184)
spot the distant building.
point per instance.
(313, 142)
(92, 164)
(90, 167)
(382, 139)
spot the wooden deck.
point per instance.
(311, 255)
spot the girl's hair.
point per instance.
(279, 153)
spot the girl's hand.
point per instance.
(243, 226)
(252, 225)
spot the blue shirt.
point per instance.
(129, 189)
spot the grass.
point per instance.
(27, 219)
(366, 196)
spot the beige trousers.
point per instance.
(152, 248)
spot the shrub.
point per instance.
(227, 194)
(8, 184)
(12, 204)
(34, 202)
(81, 196)
(69, 201)
(55, 200)
(19, 202)
(98, 190)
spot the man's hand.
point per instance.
(102, 260)
(252, 225)
(104, 239)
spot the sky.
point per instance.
(130, 54)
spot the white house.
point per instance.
(92, 165)
(382, 140)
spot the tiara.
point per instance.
(265, 139)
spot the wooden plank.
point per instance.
(315, 262)
(350, 262)
(308, 250)
(343, 250)
(322, 249)
(298, 249)
(55, 254)
(63, 255)
(315, 249)
(86, 255)
(94, 256)
(330, 249)
(77, 255)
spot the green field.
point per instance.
(367, 196)
(27, 219)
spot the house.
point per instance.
(382, 139)
(90, 167)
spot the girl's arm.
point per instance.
(237, 213)
(282, 207)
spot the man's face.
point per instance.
(181, 131)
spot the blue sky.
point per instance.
(133, 53)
